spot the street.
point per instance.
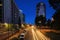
(29, 19)
(5, 35)
(34, 34)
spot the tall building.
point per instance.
(40, 14)
(9, 12)
(22, 16)
(1, 11)
(15, 12)
(40, 9)
(5, 11)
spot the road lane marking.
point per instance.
(43, 37)
(34, 35)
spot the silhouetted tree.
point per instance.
(55, 4)
(56, 17)
(48, 22)
(40, 20)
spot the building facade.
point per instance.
(15, 12)
(22, 17)
(5, 11)
(9, 12)
(40, 9)
(1, 11)
(40, 14)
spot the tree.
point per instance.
(55, 4)
(56, 17)
(40, 20)
(48, 22)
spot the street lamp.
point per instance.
(6, 25)
(23, 26)
(52, 19)
(39, 21)
(32, 26)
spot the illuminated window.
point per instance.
(41, 3)
(52, 19)
(0, 4)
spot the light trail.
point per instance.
(34, 35)
(41, 35)
(37, 35)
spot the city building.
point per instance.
(9, 12)
(1, 6)
(40, 14)
(22, 16)
(15, 12)
(5, 11)
(40, 9)
(9, 15)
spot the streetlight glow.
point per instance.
(6, 25)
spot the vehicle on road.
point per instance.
(24, 31)
(21, 36)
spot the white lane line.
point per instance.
(36, 38)
(34, 35)
(43, 37)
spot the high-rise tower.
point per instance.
(40, 9)
(40, 14)
(1, 11)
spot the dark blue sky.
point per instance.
(29, 9)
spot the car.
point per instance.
(21, 36)
(24, 31)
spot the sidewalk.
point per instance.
(4, 36)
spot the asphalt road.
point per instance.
(34, 34)
(28, 35)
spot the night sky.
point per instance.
(29, 9)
